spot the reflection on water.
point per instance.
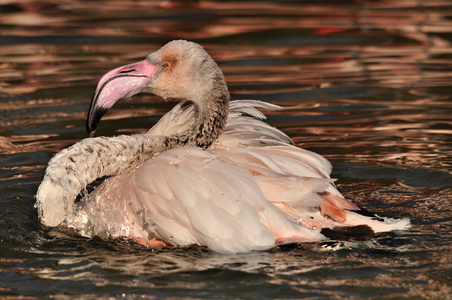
(365, 83)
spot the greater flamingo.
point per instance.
(210, 172)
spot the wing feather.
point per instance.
(218, 200)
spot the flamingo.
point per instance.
(211, 172)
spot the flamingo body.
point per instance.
(233, 185)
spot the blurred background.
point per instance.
(365, 83)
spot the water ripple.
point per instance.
(367, 84)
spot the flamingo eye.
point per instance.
(166, 65)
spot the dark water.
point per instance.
(365, 83)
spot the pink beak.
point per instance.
(120, 83)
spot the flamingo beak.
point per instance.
(120, 83)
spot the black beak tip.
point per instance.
(90, 127)
(94, 116)
(91, 132)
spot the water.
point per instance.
(367, 84)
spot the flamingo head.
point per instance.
(180, 70)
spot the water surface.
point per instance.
(364, 83)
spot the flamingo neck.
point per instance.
(212, 113)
